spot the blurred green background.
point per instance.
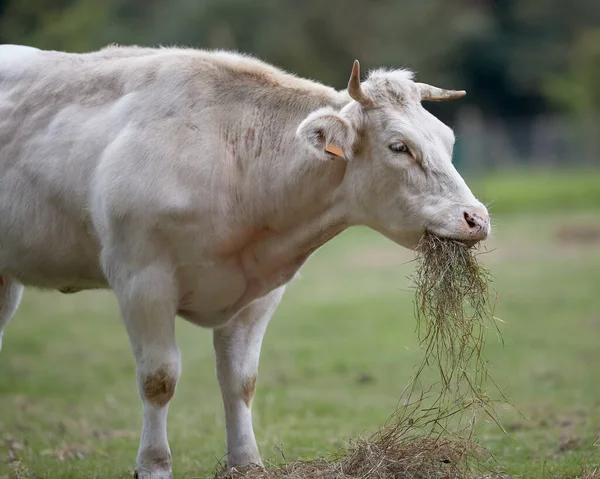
(342, 345)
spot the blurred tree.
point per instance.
(73, 25)
(578, 88)
(515, 58)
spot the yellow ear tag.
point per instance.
(334, 150)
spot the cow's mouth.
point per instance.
(469, 243)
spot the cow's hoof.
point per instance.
(154, 463)
(244, 457)
(152, 475)
(231, 470)
(243, 470)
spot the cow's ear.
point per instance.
(328, 134)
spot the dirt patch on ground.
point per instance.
(564, 420)
(569, 443)
(578, 234)
(14, 448)
(71, 451)
(567, 429)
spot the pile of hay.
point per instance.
(431, 433)
(383, 456)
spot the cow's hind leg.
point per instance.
(10, 297)
(237, 348)
(147, 298)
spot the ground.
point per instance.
(336, 356)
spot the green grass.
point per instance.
(67, 375)
(563, 190)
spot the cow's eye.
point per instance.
(399, 147)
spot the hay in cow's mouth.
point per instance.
(431, 433)
(453, 305)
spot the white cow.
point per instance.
(197, 183)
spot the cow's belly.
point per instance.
(49, 251)
(65, 270)
(46, 240)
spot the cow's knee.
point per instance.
(248, 388)
(158, 386)
(148, 301)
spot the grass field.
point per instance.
(337, 354)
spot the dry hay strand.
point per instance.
(18, 470)
(454, 308)
(453, 305)
(427, 436)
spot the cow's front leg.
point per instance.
(237, 347)
(10, 297)
(148, 302)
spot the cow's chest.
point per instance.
(245, 267)
(212, 294)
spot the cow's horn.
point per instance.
(431, 93)
(354, 89)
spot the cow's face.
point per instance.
(399, 178)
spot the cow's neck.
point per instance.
(288, 205)
(272, 183)
(298, 216)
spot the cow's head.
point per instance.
(399, 178)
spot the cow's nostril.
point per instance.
(469, 220)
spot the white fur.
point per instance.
(190, 183)
(17, 58)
